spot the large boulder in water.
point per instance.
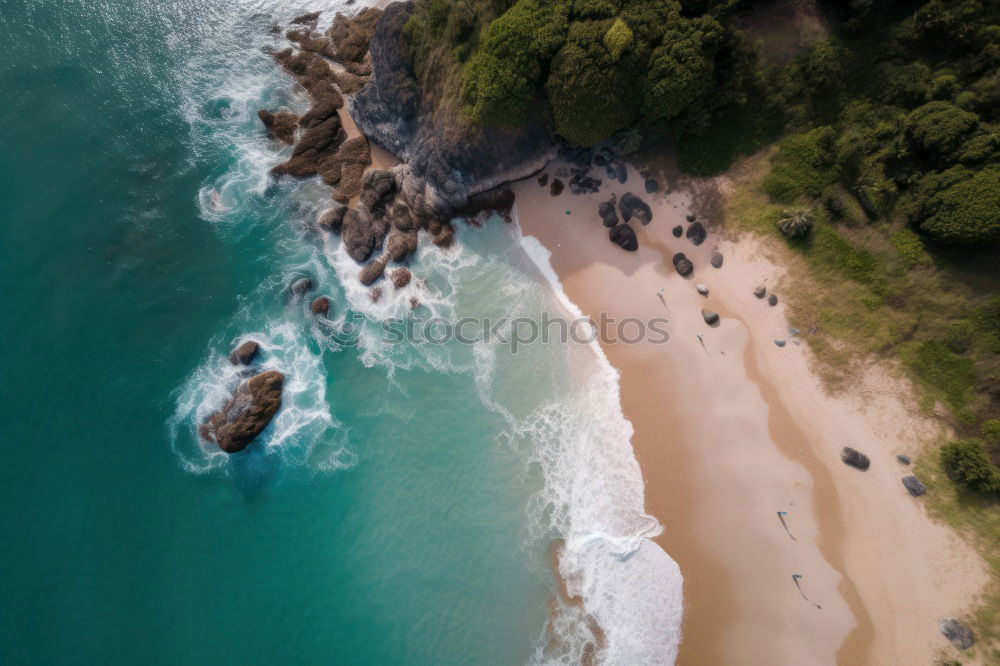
(631, 205)
(320, 306)
(246, 414)
(606, 209)
(280, 126)
(362, 234)
(855, 458)
(245, 353)
(682, 264)
(624, 237)
(696, 233)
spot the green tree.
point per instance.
(967, 462)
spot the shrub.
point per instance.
(910, 249)
(795, 222)
(617, 39)
(968, 212)
(680, 68)
(936, 130)
(967, 462)
(805, 166)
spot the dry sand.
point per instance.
(731, 433)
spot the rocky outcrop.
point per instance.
(401, 244)
(696, 233)
(244, 353)
(855, 458)
(914, 486)
(362, 233)
(958, 633)
(608, 213)
(632, 206)
(344, 169)
(280, 126)
(301, 287)
(332, 219)
(682, 264)
(400, 278)
(246, 414)
(320, 306)
(623, 236)
(373, 270)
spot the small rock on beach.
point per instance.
(914, 486)
(855, 458)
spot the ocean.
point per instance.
(403, 505)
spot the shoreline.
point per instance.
(766, 437)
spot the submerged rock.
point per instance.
(608, 213)
(623, 236)
(716, 260)
(914, 486)
(711, 318)
(244, 353)
(682, 264)
(696, 233)
(958, 633)
(855, 458)
(301, 286)
(246, 414)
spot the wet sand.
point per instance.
(732, 431)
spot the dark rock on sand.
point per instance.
(682, 264)
(716, 260)
(244, 353)
(855, 458)
(608, 213)
(543, 180)
(690, 217)
(622, 174)
(696, 233)
(772, 300)
(556, 188)
(624, 237)
(320, 306)
(914, 486)
(301, 286)
(246, 414)
(711, 318)
(400, 278)
(678, 231)
(903, 459)
(958, 633)
(779, 342)
(600, 160)
(582, 183)
(632, 206)
(280, 125)
(373, 270)
(760, 292)
(651, 186)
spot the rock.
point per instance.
(362, 234)
(651, 186)
(446, 236)
(958, 633)
(320, 306)
(631, 205)
(246, 414)
(793, 331)
(301, 286)
(914, 486)
(682, 264)
(500, 199)
(280, 126)
(309, 19)
(344, 169)
(373, 270)
(716, 260)
(855, 458)
(600, 160)
(375, 294)
(414, 303)
(543, 180)
(608, 213)
(772, 300)
(702, 289)
(622, 174)
(903, 459)
(623, 236)
(556, 188)
(759, 292)
(332, 219)
(611, 172)
(678, 231)
(351, 35)
(377, 189)
(779, 341)
(582, 183)
(399, 245)
(400, 278)
(711, 318)
(315, 143)
(690, 217)
(244, 353)
(696, 233)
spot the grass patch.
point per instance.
(977, 517)
(942, 372)
(736, 131)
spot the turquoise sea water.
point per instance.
(401, 506)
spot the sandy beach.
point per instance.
(731, 429)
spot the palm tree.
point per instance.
(796, 222)
(630, 141)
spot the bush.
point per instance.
(936, 130)
(911, 249)
(968, 212)
(618, 39)
(968, 463)
(805, 166)
(795, 222)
